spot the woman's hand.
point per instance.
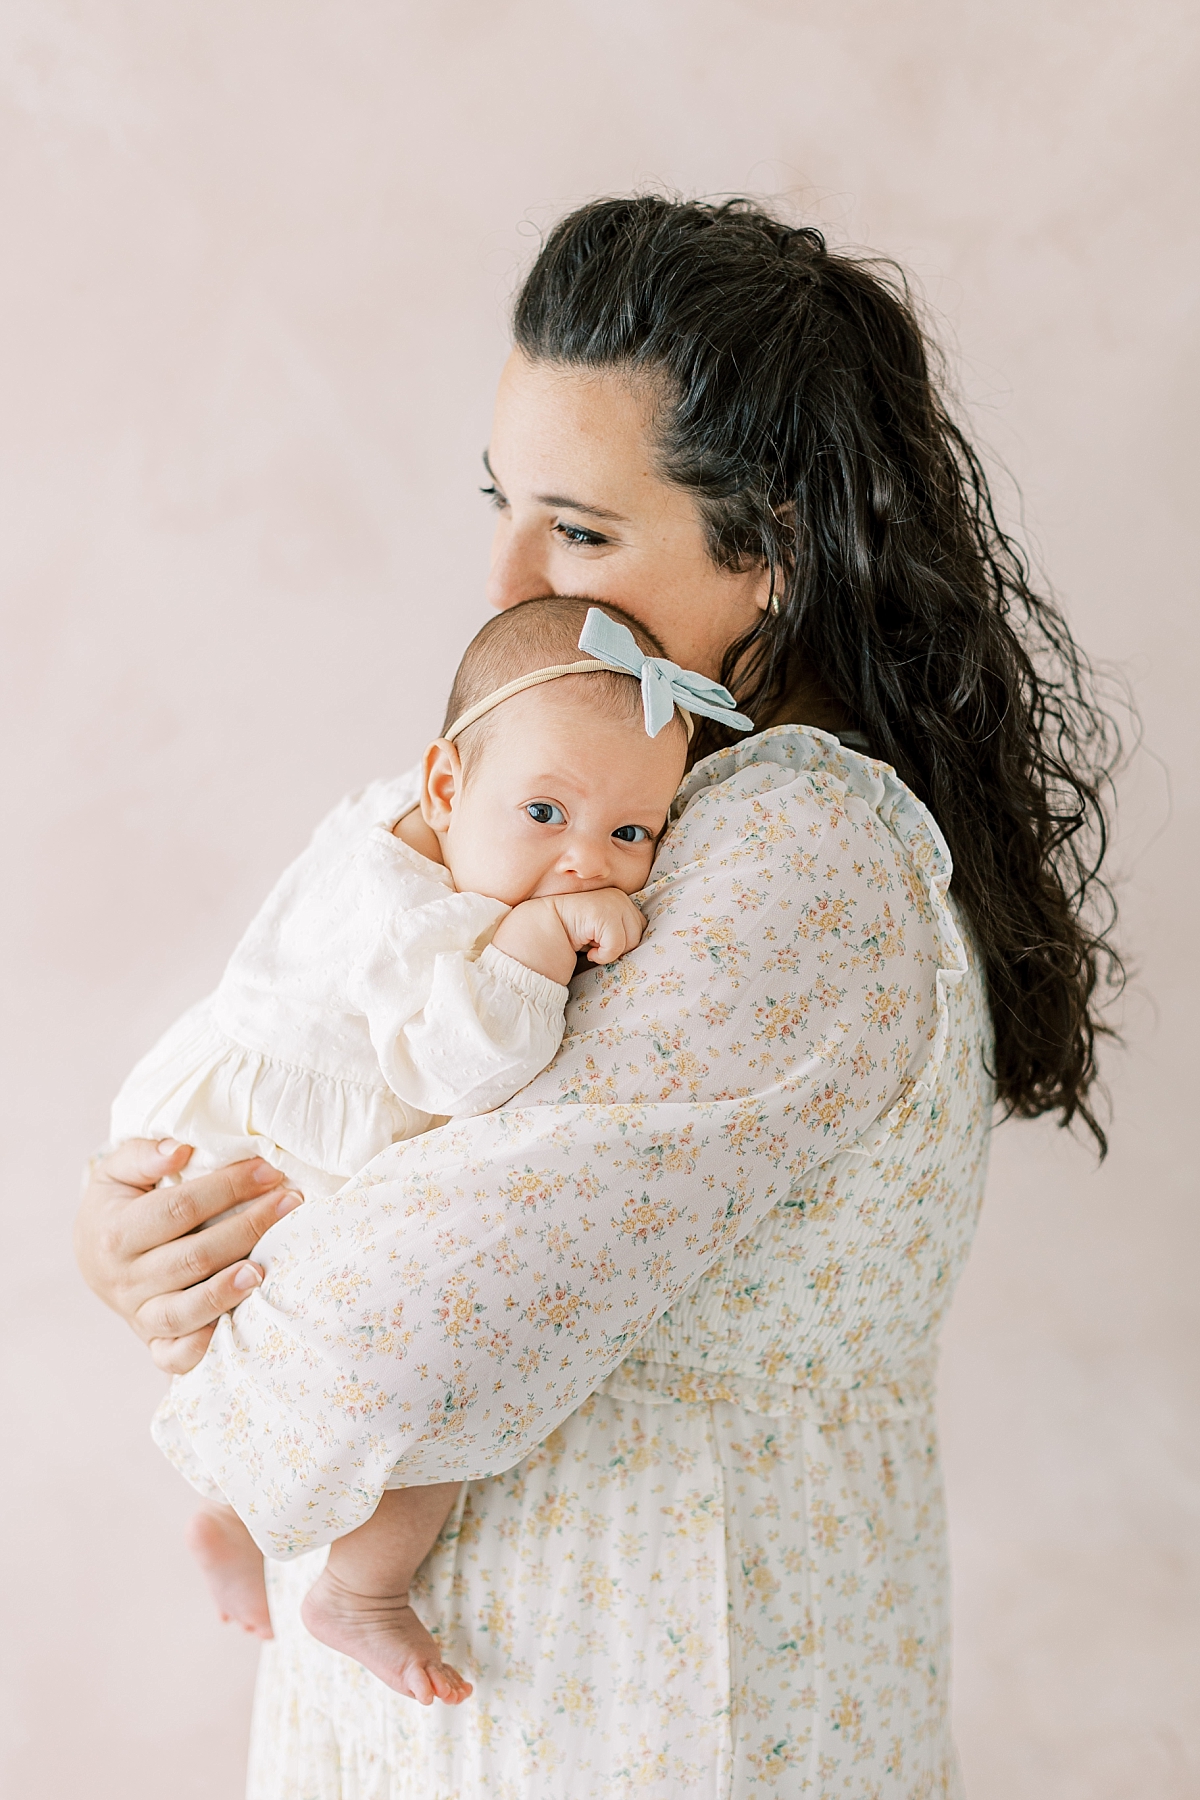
(132, 1243)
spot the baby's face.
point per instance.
(559, 799)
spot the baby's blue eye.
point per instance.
(544, 812)
(631, 834)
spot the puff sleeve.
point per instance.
(456, 1030)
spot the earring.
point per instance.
(773, 603)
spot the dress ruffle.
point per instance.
(204, 1087)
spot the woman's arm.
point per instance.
(439, 1316)
(139, 1249)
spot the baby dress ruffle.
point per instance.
(200, 1085)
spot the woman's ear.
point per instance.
(441, 783)
(768, 593)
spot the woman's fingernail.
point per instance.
(288, 1204)
(264, 1174)
(167, 1146)
(249, 1277)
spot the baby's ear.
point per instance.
(441, 783)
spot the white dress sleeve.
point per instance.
(438, 1317)
(457, 1030)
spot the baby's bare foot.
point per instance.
(233, 1565)
(384, 1634)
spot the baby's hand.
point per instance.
(547, 934)
(604, 923)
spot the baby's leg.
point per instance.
(359, 1603)
(233, 1564)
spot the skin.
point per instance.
(135, 1248)
(359, 1603)
(581, 509)
(534, 821)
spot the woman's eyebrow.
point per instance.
(593, 512)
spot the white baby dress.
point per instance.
(364, 1004)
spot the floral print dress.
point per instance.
(674, 1318)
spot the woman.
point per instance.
(722, 1572)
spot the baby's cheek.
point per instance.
(637, 880)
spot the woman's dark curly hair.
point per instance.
(800, 409)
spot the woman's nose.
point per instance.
(518, 568)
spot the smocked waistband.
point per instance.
(670, 1384)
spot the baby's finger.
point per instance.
(635, 925)
(623, 930)
(609, 944)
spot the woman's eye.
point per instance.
(494, 495)
(544, 812)
(576, 534)
(631, 834)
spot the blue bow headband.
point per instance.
(665, 685)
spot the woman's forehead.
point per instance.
(554, 425)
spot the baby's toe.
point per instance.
(419, 1685)
(450, 1685)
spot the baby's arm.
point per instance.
(548, 934)
(458, 1033)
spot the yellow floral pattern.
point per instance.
(695, 1302)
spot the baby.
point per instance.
(412, 966)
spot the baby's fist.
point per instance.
(605, 923)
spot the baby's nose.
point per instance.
(588, 859)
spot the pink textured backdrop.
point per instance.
(256, 258)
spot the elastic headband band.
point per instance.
(591, 667)
(666, 688)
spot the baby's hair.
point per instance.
(537, 634)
